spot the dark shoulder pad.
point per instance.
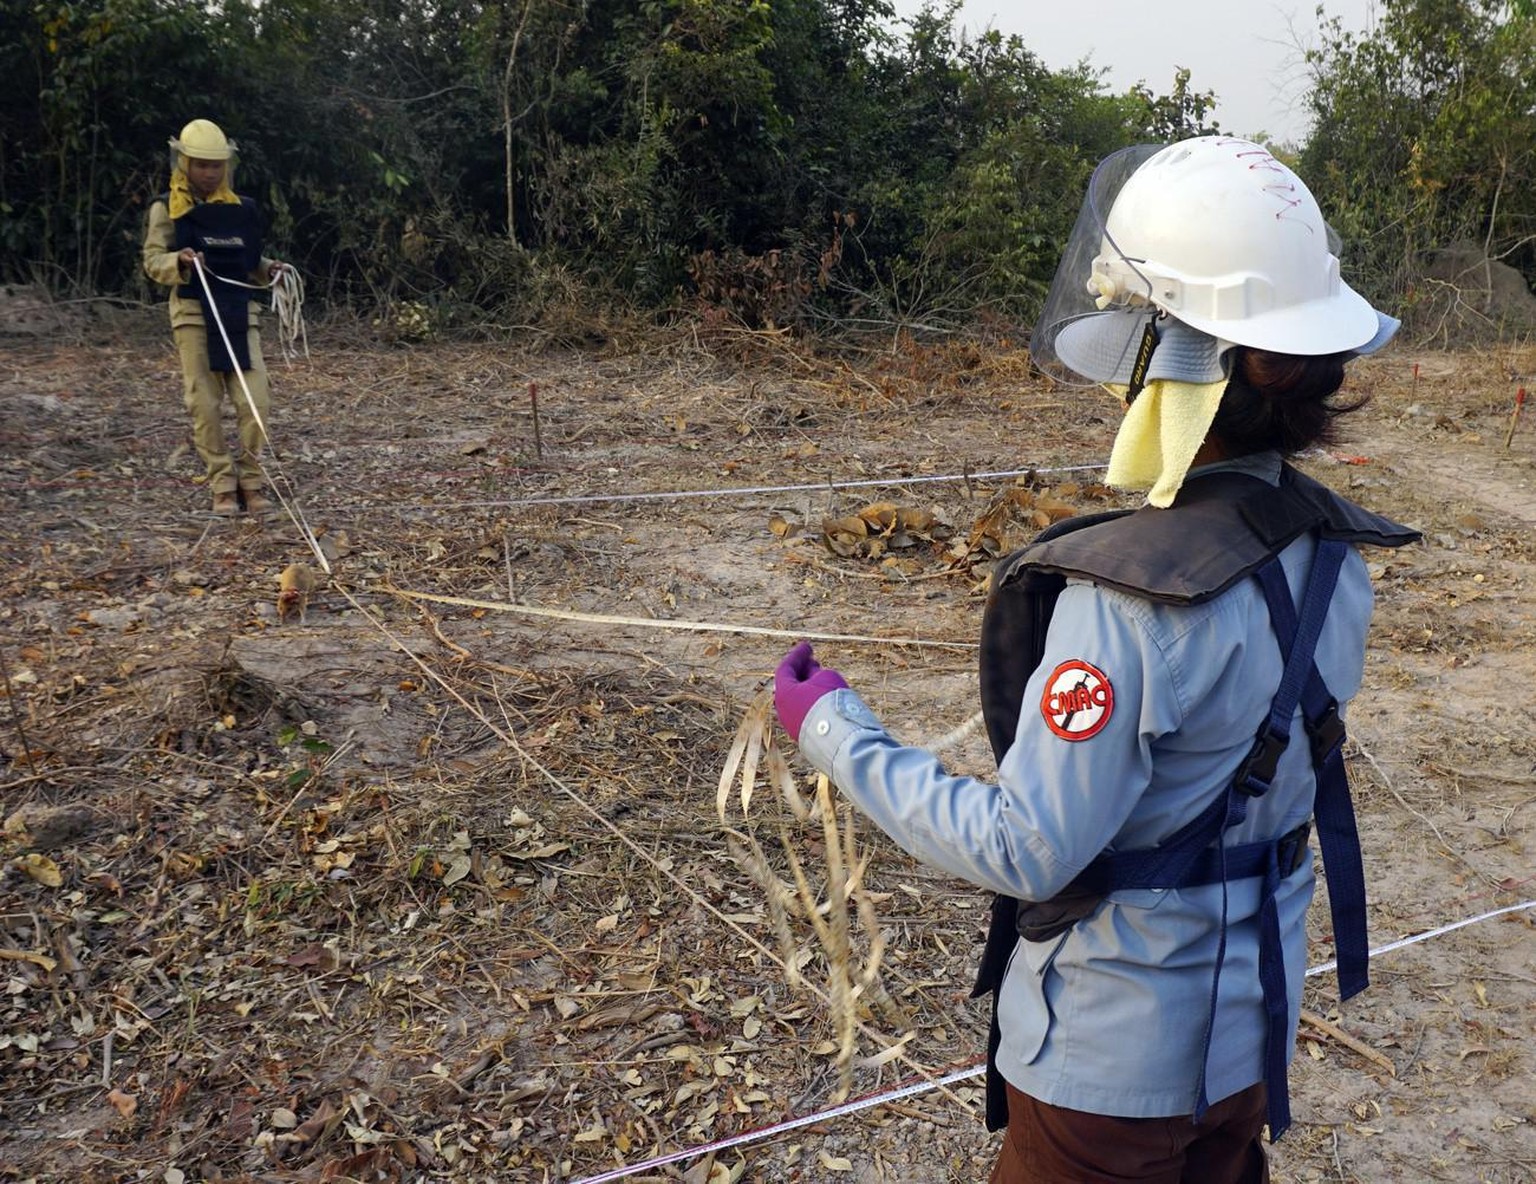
(1332, 515)
(1021, 597)
(1222, 527)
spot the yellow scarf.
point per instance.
(182, 198)
(1161, 432)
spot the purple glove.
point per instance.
(797, 683)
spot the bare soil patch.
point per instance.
(280, 901)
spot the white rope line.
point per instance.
(1418, 937)
(531, 610)
(587, 499)
(957, 734)
(290, 505)
(789, 1124)
(913, 1089)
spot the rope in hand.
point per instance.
(288, 307)
(287, 288)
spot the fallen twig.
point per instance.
(1338, 1034)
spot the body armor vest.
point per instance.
(1223, 527)
(229, 237)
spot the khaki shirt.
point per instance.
(161, 265)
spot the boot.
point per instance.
(256, 501)
(226, 503)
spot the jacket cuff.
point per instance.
(165, 271)
(831, 721)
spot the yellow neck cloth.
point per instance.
(1161, 432)
(183, 199)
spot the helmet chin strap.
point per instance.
(1143, 362)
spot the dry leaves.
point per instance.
(42, 869)
(880, 528)
(909, 539)
(988, 537)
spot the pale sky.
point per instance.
(1248, 51)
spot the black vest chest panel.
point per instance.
(229, 236)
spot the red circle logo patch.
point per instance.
(1078, 700)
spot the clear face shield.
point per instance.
(1093, 278)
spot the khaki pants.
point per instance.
(1052, 1145)
(204, 391)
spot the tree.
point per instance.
(77, 162)
(1424, 135)
(1176, 116)
(466, 155)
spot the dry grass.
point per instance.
(854, 990)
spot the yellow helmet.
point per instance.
(202, 139)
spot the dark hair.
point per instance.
(1281, 401)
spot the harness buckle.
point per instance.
(1291, 850)
(1327, 734)
(1257, 771)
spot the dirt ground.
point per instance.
(411, 889)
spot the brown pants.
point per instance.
(1051, 1145)
(203, 391)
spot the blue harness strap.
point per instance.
(1195, 854)
(1300, 684)
(1336, 830)
(1337, 833)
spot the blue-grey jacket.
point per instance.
(1109, 1017)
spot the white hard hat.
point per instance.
(1221, 235)
(1217, 234)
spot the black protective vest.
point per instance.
(229, 237)
(1223, 527)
